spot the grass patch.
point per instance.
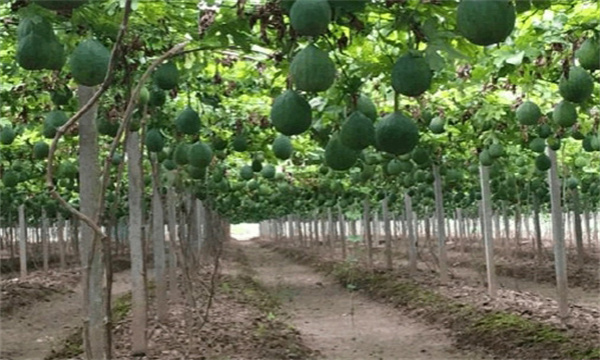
(121, 307)
(245, 289)
(504, 334)
(71, 347)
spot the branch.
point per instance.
(135, 94)
(213, 283)
(113, 209)
(203, 48)
(63, 129)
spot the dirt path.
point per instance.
(31, 333)
(342, 325)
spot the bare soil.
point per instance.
(239, 325)
(518, 271)
(577, 295)
(518, 294)
(345, 325)
(33, 329)
(514, 325)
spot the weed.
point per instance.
(121, 307)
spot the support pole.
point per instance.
(488, 231)
(560, 258)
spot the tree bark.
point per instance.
(439, 209)
(95, 297)
(506, 225)
(518, 227)
(427, 227)
(158, 239)
(412, 239)
(560, 259)
(172, 226)
(525, 220)
(578, 228)
(75, 237)
(537, 229)
(202, 224)
(461, 228)
(139, 305)
(212, 243)
(588, 230)
(367, 231)
(342, 232)
(45, 240)
(330, 225)
(22, 241)
(300, 231)
(497, 232)
(192, 241)
(375, 227)
(484, 173)
(60, 237)
(290, 227)
(387, 233)
(318, 239)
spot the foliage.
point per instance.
(239, 60)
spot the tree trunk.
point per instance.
(158, 239)
(481, 224)
(578, 228)
(560, 261)
(22, 241)
(139, 306)
(60, 237)
(172, 225)
(299, 231)
(375, 227)
(484, 173)
(596, 230)
(497, 232)
(461, 229)
(439, 209)
(318, 239)
(506, 225)
(353, 230)
(367, 231)
(588, 230)
(537, 229)
(525, 220)
(191, 247)
(202, 225)
(387, 232)
(310, 230)
(12, 242)
(412, 239)
(455, 226)
(75, 243)
(45, 240)
(95, 297)
(212, 243)
(330, 225)
(427, 227)
(342, 232)
(290, 226)
(404, 222)
(518, 226)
